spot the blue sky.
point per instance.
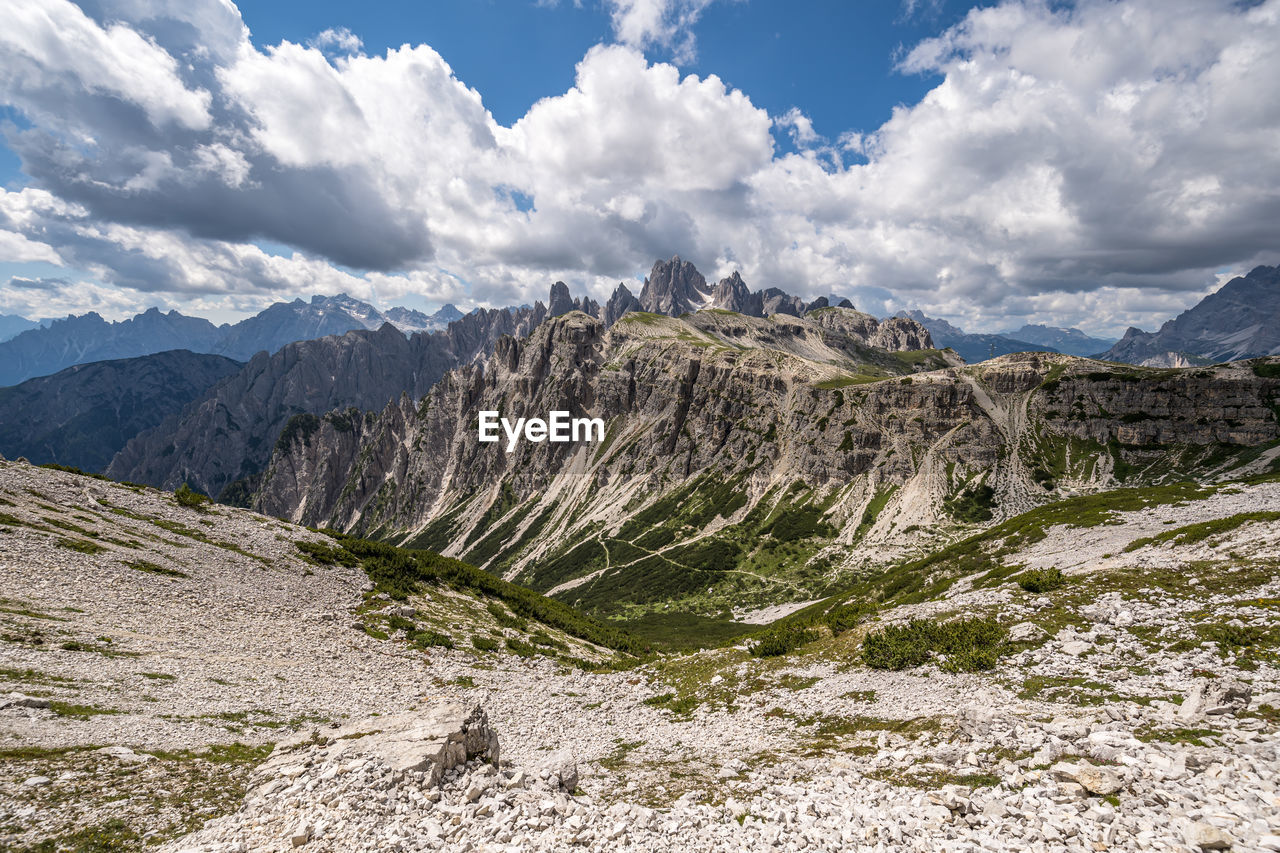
(1097, 163)
(834, 60)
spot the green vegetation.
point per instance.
(483, 643)
(780, 639)
(154, 568)
(1266, 369)
(402, 572)
(965, 645)
(83, 546)
(1041, 580)
(70, 469)
(972, 504)
(189, 497)
(298, 428)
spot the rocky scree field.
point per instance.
(1098, 674)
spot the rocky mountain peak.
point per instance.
(560, 302)
(674, 287)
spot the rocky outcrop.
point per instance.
(1240, 320)
(619, 303)
(84, 415)
(899, 334)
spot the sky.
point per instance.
(1093, 164)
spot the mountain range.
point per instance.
(88, 337)
(226, 437)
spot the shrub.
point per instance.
(482, 643)
(842, 617)
(427, 639)
(1041, 580)
(973, 505)
(189, 497)
(968, 645)
(505, 619)
(520, 647)
(781, 639)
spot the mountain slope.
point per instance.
(89, 338)
(83, 415)
(1240, 320)
(227, 435)
(746, 461)
(973, 348)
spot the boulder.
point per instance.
(19, 700)
(1206, 836)
(563, 766)
(431, 741)
(1026, 632)
(1214, 696)
(1100, 781)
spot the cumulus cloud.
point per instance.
(1095, 164)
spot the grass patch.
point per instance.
(82, 546)
(155, 569)
(80, 712)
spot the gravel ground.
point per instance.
(1075, 742)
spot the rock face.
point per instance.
(84, 415)
(1240, 320)
(716, 411)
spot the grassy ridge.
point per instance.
(402, 572)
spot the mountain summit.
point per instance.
(1240, 320)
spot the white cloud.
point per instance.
(340, 39)
(1093, 165)
(661, 23)
(53, 56)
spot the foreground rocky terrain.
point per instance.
(153, 653)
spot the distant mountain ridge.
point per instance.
(90, 338)
(972, 347)
(1240, 320)
(83, 415)
(12, 324)
(1066, 341)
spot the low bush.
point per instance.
(842, 617)
(189, 497)
(781, 639)
(966, 645)
(1041, 580)
(427, 639)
